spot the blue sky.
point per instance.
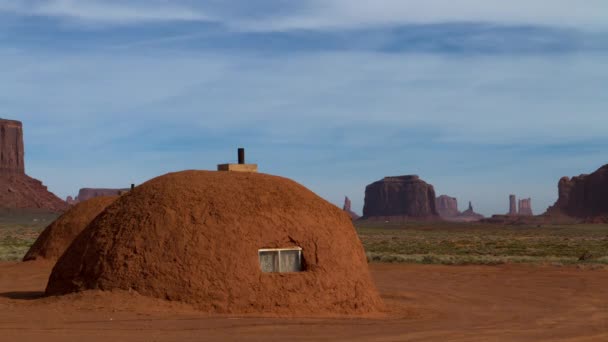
(480, 98)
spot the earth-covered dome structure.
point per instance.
(57, 237)
(226, 242)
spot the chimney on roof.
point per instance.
(241, 155)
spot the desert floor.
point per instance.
(424, 303)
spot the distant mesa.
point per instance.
(470, 214)
(520, 212)
(400, 198)
(18, 190)
(523, 207)
(85, 194)
(447, 207)
(348, 210)
(583, 197)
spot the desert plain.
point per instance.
(513, 290)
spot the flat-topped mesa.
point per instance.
(11, 147)
(88, 193)
(401, 196)
(525, 207)
(85, 194)
(584, 196)
(447, 206)
(399, 179)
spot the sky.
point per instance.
(481, 98)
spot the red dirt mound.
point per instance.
(194, 236)
(58, 236)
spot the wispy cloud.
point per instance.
(530, 99)
(278, 15)
(99, 117)
(105, 12)
(346, 14)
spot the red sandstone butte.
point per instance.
(584, 196)
(86, 194)
(401, 197)
(470, 215)
(347, 208)
(18, 190)
(447, 206)
(525, 207)
(11, 147)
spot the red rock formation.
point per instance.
(512, 205)
(447, 206)
(85, 194)
(348, 210)
(403, 196)
(470, 214)
(525, 207)
(11, 147)
(585, 196)
(18, 190)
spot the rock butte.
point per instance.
(194, 236)
(58, 236)
(348, 208)
(470, 214)
(11, 147)
(447, 206)
(448, 210)
(584, 197)
(85, 194)
(18, 190)
(403, 197)
(524, 207)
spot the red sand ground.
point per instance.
(425, 303)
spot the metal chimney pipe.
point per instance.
(241, 155)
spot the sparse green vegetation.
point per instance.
(484, 244)
(19, 230)
(422, 243)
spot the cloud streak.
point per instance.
(346, 14)
(500, 122)
(105, 12)
(277, 15)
